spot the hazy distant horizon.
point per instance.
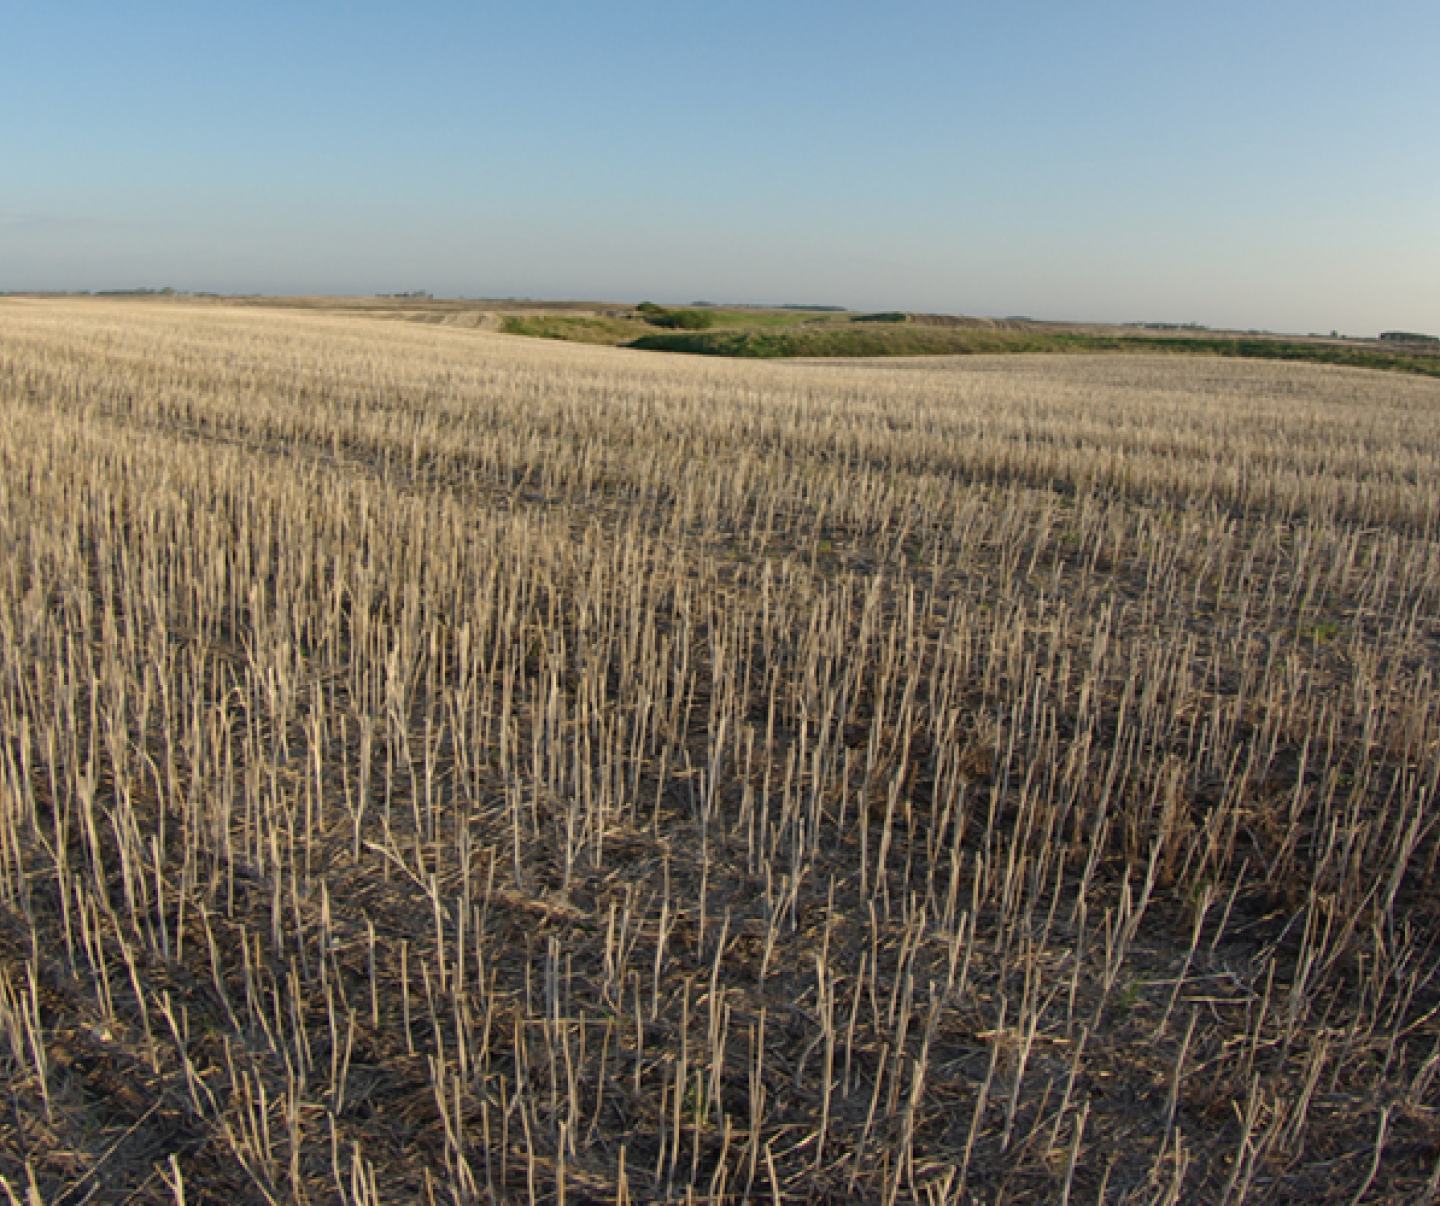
(677, 300)
(1245, 168)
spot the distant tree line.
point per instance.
(675, 320)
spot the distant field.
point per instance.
(631, 330)
(441, 765)
(834, 339)
(778, 334)
(793, 332)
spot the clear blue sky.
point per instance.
(1270, 164)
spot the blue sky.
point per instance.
(1269, 165)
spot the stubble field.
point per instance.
(441, 765)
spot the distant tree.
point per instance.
(675, 320)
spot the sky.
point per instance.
(1269, 165)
